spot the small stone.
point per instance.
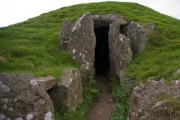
(5, 100)
(19, 118)
(11, 109)
(2, 117)
(29, 116)
(4, 107)
(3, 87)
(110, 100)
(34, 83)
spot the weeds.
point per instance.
(121, 96)
(91, 77)
(174, 100)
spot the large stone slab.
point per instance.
(82, 41)
(107, 19)
(119, 49)
(138, 37)
(49, 82)
(68, 92)
(22, 98)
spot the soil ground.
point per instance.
(105, 105)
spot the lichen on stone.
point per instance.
(29, 116)
(48, 116)
(3, 87)
(34, 83)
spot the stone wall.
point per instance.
(23, 97)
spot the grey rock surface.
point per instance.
(119, 49)
(65, 34)
(68, 92)
(22, 98)
(49, 82)
(85, 70)
(138, 37)
(107, 19)
(82, 41)
(156, 100)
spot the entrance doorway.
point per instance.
(102, 63)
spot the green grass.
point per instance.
(33, 47)
(121, 96)
(173, 100)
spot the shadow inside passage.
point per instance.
(102, 63)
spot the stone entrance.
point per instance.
(102, 63)
(102, 42)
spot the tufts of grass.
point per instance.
(121, 96)
(159, 63)
(173, 100)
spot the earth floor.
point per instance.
(106, 104)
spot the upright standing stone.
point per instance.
(119, 48)
(138, 37)
(65, 34)
(68, 91)
(82, 41)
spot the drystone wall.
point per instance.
(23, 97)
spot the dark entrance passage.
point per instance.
(106, 104)
(102, 63)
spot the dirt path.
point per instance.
(105, 105)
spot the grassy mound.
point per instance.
(33, 47)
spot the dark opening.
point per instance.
(123, 29)
(102, 63)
